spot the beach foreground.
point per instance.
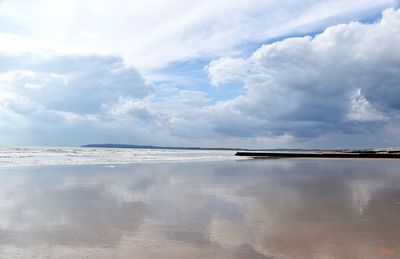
(278, 208)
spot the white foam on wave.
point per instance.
(13, 157)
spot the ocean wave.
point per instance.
(15, 157)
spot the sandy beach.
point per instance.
(285, 208)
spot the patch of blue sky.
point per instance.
(191, 75)
(7, 25)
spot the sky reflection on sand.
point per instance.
(285, 208)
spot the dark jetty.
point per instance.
(349, 154)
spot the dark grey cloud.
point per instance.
(73, 83)
(44, 95)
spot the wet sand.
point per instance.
(281, 208)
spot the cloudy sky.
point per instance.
(256, 73)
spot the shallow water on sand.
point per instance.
(280, 208)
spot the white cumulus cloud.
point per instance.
(306, 86)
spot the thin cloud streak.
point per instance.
(153, 33)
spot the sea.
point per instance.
(39, 156)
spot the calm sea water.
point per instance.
(280, 208)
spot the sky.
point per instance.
(250, 74)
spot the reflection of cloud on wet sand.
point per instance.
(51, 212)
(363, 192)
(309, 214)
(254, 209)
